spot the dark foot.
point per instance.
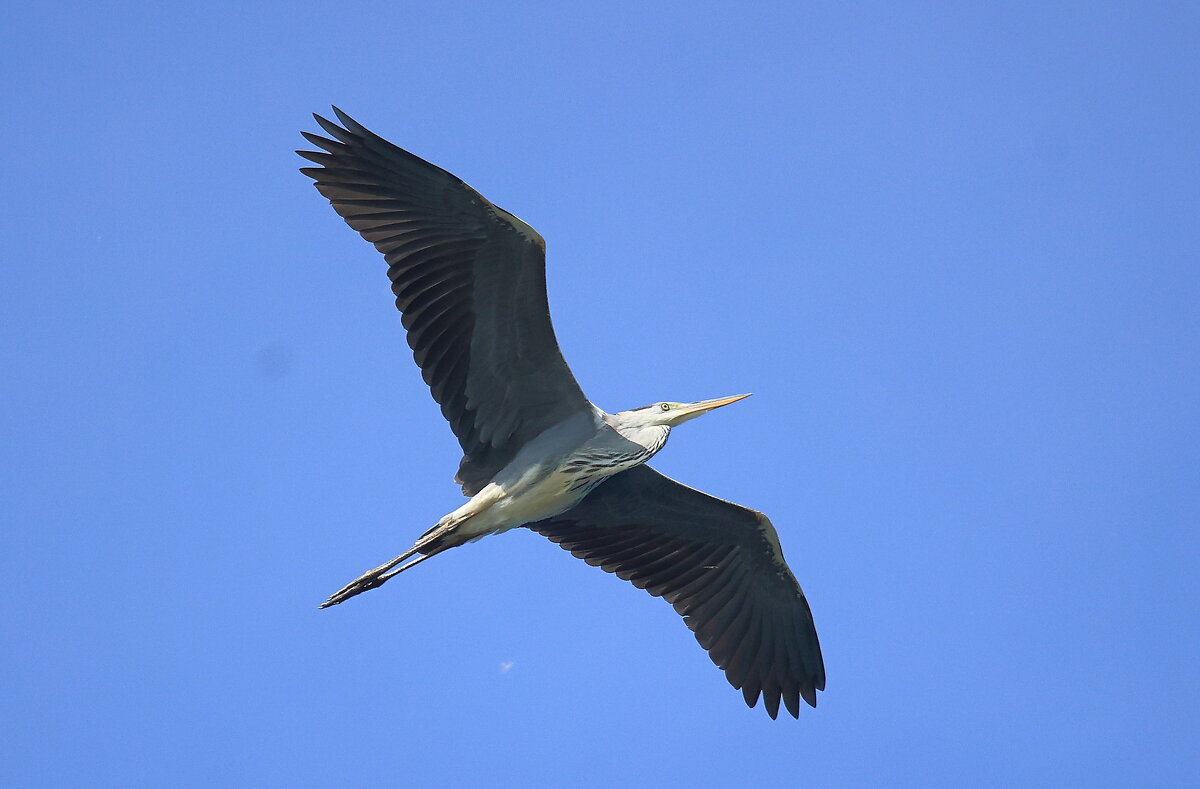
(357, 586)
(366, 582)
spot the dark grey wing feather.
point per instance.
(718, 564)
(470, 282)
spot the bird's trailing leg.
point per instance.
(442, 536)
(379, 576)
(445, 534)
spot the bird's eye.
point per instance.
(665, 406)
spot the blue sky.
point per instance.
(951, 247)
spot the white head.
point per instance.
(669, 414)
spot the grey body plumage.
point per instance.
(469, 280)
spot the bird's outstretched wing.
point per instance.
(718, 564)
(470, 282)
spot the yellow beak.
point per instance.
(708, 405)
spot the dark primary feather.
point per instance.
(470, 282)
(718, 564)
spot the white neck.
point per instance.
(632, 427)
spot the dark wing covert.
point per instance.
(718, 564)
(470, 283)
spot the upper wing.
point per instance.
(470, 282)
(719, 564)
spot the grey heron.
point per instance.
(470, 284)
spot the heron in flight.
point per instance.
(470, 282)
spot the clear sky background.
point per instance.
(951, 247)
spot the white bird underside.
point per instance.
(469, 280)
(529, 489)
